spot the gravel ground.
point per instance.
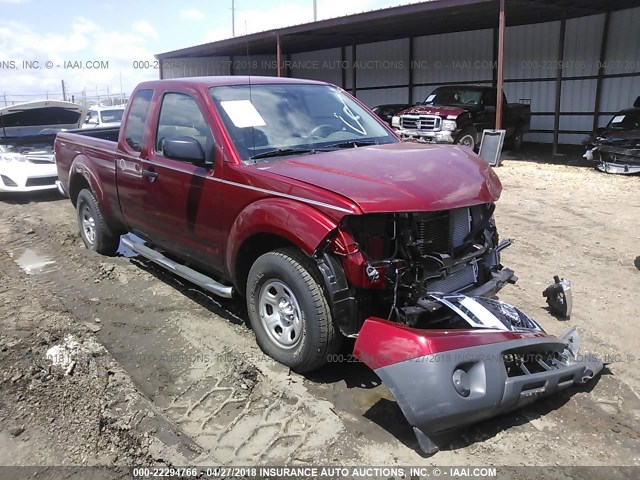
(163, 373)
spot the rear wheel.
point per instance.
(95, 232)
(467, 138)
(516, 140)
(289, 312)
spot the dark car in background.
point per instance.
(386, 112)
(616, 147)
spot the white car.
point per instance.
(27, 133)
(104, 117)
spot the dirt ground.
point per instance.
(144, 369)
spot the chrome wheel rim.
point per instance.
(88, 225)
(280, 314)
(467, 141)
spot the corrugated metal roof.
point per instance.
(418, 19)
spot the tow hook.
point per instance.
(372, 273)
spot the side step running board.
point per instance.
(183, 271)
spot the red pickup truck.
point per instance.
(294, 195)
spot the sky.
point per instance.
(43, 42)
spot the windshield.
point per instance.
(269, 121)
(629, 121)
(454, 96)
(109, 116)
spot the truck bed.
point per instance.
(98, 147)
(104, 133)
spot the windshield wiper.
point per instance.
(281, 152)
(351, 144)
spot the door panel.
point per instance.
(131, 191)
(182, 200)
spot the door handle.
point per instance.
(150, 175)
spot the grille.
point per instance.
(8, 182)
(527, 362)
(41, 181)
(455, 281)
(421, 122)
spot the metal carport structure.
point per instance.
(576, 62)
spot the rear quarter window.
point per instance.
(137, 118)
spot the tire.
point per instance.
(467, 137)
(95, 233)
(516, 140)
(289, 312)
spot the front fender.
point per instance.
(299, 223)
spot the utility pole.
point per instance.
(5, 99)
(233, 18)
(315, 10)
(64, 93)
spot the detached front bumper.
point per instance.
(447, 379)
(440, 136)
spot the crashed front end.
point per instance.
(476, 359)
(416, 294)
(394, 261)
(616, 157)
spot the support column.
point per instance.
(556, 115)
(278, 54)
(603, 54)
(411, 72)
(353, 68)
(500, 80)
(343, 71)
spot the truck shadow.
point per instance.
(232, 310)
(636, 262)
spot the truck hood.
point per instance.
(398, 177)
(440, 110)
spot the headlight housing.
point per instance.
(12, 157)
(449, 125)
(395, 121)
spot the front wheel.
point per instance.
(289, 312)
(95, 232)
(467, 138)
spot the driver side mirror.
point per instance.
(184, 148)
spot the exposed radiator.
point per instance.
(455, 281)
(443, 231)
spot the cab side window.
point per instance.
(180, 116)
(490, 98)
(137, 118)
